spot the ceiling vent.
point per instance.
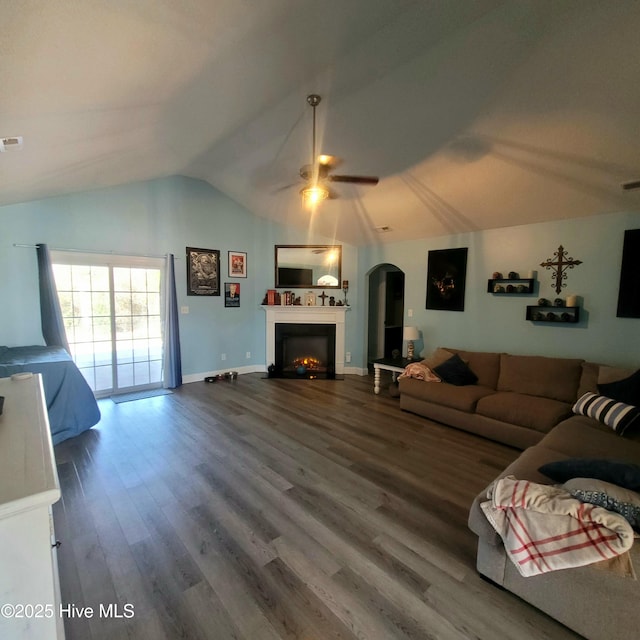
(13, 143)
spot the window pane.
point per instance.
(100, 303)
(139, 304)
(155, 327)
(121, 279)
(124, 351)
(100, 278)
(81, 277)
(138, 279)
(153, 279)
(89, 377)
(140, 329)
(141, 372)
(155, 371)
(140, 350)
(125, 375)
(123, 304)
(62, 276)
(153, 304)
(104, 378)
(66, 303)
(124, 328)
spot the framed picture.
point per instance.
(629, 290)
(237, 264)
(203, 272)
(310, 299)
(446, 279)
(231, 294)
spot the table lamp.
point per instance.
(410, 334)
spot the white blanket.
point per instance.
(544, 528)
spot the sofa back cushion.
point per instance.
(556, 378)
(484, 364)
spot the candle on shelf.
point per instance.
(572, 301)
(345, 284)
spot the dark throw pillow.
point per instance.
(455, 371)
(624, 474)
(627, 390)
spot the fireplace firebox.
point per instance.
(304, 351)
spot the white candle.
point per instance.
(572, 301)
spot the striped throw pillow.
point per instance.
(617, 415)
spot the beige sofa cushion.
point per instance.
(555, 378)
(582, 437)
(484, 364)
(541, 414)
(448, 395)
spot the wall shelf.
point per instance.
(510, 286)
(557, 315)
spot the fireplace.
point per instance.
(333, 317)
(304, 350)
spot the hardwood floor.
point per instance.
(271, 509)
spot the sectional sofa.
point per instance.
(526, 402)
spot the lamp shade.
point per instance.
(410, 333)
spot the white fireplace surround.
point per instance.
(306, 315)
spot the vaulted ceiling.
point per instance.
(475, 114)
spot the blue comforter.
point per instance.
(71, 405)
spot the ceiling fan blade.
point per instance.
(373, 180)
(629, 186)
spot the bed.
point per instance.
(71, 405)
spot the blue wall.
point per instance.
(170, 214)
(155, 217)
(497, 323)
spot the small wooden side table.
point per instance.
(395, 365)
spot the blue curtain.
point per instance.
(172, 358)
(53, 330)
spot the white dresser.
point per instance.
(29, 586)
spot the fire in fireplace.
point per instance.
(304, 351)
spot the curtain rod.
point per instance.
(110, 252)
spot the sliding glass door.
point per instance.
(111, 309)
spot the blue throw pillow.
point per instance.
(455, 371)
(627, 390)
(624, 474)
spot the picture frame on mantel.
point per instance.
(203, 272)
(237, 264)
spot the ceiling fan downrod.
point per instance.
(314, 100)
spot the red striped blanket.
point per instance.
(544, 528)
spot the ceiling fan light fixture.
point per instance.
(313, 194)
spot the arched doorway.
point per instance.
(386, 311)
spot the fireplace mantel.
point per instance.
(297, 314)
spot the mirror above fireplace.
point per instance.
(308, 266)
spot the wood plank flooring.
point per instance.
(279, 509)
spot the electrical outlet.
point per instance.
(223, 356)
(410, 313)
(347, 356)
(184, 310)
(248, 354)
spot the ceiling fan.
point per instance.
(317, 172)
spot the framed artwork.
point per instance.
(310, 299)
(203, 272)
(446, 279)
(231, 294)
(629, 290)
(237, 264)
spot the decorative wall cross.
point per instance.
(559, 266)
